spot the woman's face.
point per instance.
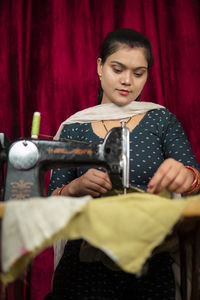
(123, 75)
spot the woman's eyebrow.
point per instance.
(118, 63)
(142, 67)
(124, 66)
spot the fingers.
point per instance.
(96, 182)
(93, 182)
(99, 177)
(181, 182)
(171, 175)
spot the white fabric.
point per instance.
(21, 235)
(58, 249)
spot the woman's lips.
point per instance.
(123, 92)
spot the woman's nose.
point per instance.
(126, 78)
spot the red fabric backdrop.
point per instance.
(48, 59)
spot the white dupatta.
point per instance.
(108, 111)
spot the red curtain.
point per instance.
(48, 59)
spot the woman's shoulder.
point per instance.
(162, 113)
(71, 130)
(164, 121)
(161, 118)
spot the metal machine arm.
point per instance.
(28, 159)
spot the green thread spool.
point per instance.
(35, 125)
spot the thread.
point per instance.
(35, 125)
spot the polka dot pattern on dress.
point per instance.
(158, 136)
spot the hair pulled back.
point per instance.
(128, 37)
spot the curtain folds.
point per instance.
(48, 59)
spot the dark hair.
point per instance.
(124, 36)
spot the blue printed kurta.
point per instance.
(158, 136)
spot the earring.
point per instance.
(100, 77)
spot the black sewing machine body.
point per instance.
(27, 160)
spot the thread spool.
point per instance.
(35, 125)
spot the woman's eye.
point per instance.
(117, 70)
(138, 74)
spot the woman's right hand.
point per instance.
(93, 182)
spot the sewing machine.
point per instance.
(28, 159)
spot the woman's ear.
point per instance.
(99, 66)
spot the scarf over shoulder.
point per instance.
(108, 111)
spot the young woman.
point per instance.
(160, 157)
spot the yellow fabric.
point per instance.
(126, 227)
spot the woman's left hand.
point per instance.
(173, 176)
